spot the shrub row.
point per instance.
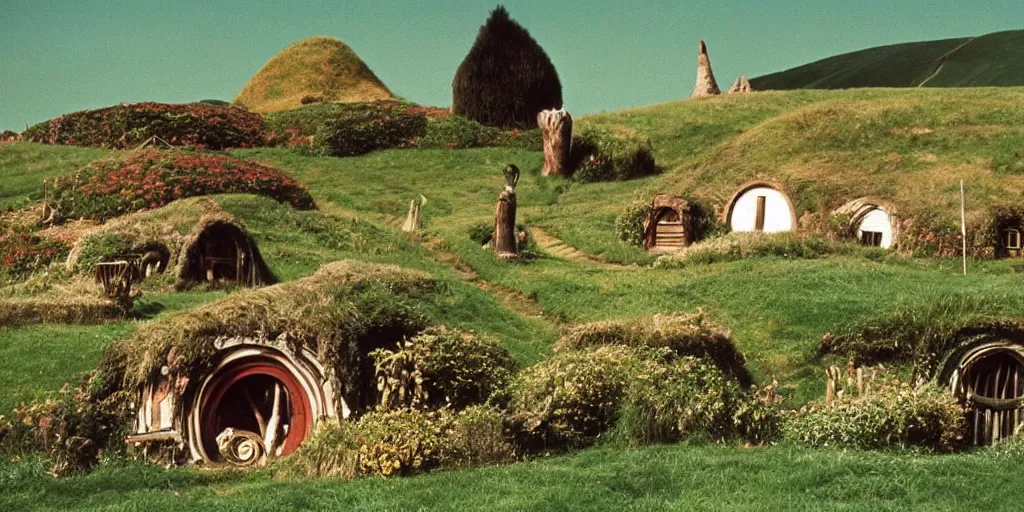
(151, 178)
(352, 129)
(127, 126)
(738, 246)
(894, 415)
(23, 252)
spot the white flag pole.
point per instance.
(963, 224)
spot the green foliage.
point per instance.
(457, 132)
(450, 368)
(127, 126)
(679, 334)
(404, 442)
(894, 415)
(571, 398)
(924, 335)
(151, 179)
(669, 401)
(738, 246)
(507, 78)
(72, 427)
(629, 225)
(23, 252)
(601, 155)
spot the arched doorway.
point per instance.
(761, 207)
(669, 232)
(993, 384)
(221, 252)
(251, 409)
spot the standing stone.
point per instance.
(412, 220)
(706, 84)
(556, 125)
(505, 245)
(740, 86)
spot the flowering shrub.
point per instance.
(126, 126)
(600, 155)
(896, 414)
(151, 178)
(22, 252)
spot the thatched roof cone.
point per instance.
(741, 86)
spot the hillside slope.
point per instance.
(995, 59)
(321, 68)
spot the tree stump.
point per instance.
(505, 244)
(556, 125)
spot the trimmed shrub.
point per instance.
(600, 155)
(894, 415)
(127, 126)
(151, 178)
(402, 442)
(348, 129)
(506, 78)
(442, 367)
(629, 225)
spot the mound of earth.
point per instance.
(317, 69)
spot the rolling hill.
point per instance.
(315, 69)
(989, 60)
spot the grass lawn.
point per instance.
(777, 308)
(676, 477)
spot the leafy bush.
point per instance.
(72, 427)
(23, 252)
(404, 442)
(442, 367)
(571, 398)
(669, 401)
(629, 225)
(506, 78)
(600, 155)
(894, 415)
(127, 126)
(151, 178)
(349, 129)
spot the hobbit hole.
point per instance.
(1010, 241)
(872, 222)
(761, 207)
(990, 379)
(221, 252)
(668, 227)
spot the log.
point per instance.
(556, 125)
(505, 245)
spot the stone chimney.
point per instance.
(706, 85)
(740, 86)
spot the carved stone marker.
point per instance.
(741, 86)
(556, 125)
(505, 246)
(706, 84)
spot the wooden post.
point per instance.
(556, 125)
(505, 244)
(963, 224)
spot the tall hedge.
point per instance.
(506, 78)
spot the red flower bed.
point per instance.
(127, 126)
(151, 178)
(22, 252)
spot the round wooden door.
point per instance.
(995, 388)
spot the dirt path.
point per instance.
(942, 62)
(559, 249)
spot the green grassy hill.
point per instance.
(909, 146)
(318, 69)
(990, 60)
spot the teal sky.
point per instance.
(63, 56)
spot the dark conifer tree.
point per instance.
(506, 78)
